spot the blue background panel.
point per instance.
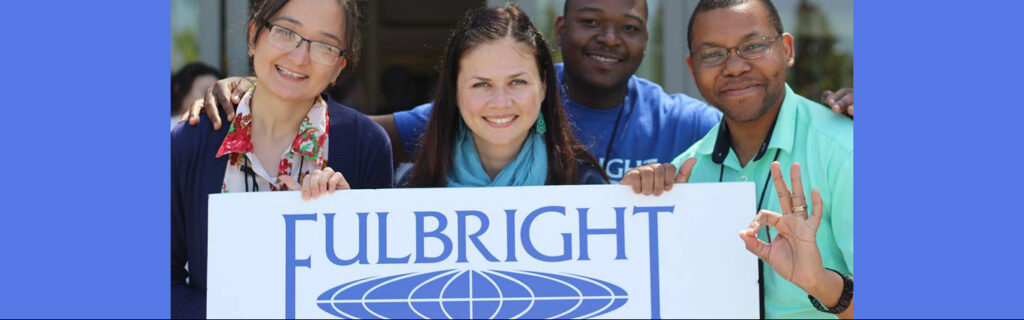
(86, 151)
(938, 141)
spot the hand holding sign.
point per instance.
(655, 178)
(793, 254)
(317, 182)
(473, 253)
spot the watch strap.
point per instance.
(844, 299)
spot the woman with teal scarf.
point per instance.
(498, 118)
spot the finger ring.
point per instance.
(800, 208)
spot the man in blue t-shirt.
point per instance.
(625, 121)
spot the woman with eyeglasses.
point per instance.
(283, 136)
(498, 118)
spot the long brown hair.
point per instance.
(480, 26)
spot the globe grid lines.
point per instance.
(470, 297)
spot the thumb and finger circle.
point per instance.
(755, 245)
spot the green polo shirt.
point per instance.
(822, 142)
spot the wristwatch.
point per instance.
(844, 299)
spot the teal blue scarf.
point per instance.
(530, 168)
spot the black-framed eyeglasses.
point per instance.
(750, 50)
(286, 39)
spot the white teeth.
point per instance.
(291, 74)
(605, 59)
(500, 120)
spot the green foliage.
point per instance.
(818, 66)
(186, 45)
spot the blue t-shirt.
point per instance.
(655, 126)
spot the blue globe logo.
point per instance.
(471, 294)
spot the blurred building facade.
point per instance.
(405, 39)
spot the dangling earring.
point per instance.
(540, 127)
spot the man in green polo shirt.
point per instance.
(738, 56)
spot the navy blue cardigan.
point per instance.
(358, 148)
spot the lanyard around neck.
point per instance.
(760, 203)
(767, 234)
(615, 129)
(251, 174)
(611, 140)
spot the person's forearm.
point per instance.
(828, 290)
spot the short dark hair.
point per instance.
(181, 81)
(480, 26)
(263, 10)
(565, 9)
(708, 5)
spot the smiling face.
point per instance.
(499, 93)
(743, 89)
(291, 74)
(603, 41)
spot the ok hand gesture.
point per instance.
(793, 254)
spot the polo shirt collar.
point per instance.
(781, 135)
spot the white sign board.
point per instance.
(596, 251)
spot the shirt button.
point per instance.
(744, 178)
